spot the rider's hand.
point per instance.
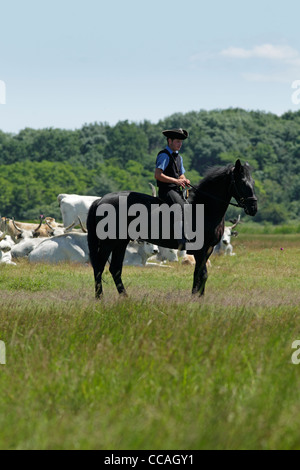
(181, 182)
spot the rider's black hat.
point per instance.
(181, 134)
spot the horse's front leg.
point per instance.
(200, 274)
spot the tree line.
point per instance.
(37, 165)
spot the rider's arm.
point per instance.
(160, 176)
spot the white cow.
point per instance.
(26, 246)
(167, 254)
(73, 206)
(19, 230)
(7, 238)
(224, 246)
(164, 255)
(60, 230)
(71, 247)
(138, 252)
(22, 249)
(5, 249)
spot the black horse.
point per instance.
(215, 191)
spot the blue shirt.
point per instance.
(163, 161)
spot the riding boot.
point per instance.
(178, 229)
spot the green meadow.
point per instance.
(159, 369)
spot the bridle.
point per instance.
(241, 201)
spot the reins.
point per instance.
(212, 196)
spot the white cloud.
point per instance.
(264, 51)
(267, 78)
(281, 54)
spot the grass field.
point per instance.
(160, 369)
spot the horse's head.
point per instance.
(242, 187)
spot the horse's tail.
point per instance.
(93, 240)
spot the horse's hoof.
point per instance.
(197, 294)
(123, 294)
(99, 296)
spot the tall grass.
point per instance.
(159, 370)
(268, 229)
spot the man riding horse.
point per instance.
(169, 173)
(118, 209)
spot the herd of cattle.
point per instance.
(51, 242)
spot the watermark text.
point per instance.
(160, 221)
(296, 93)
(2, 353)
(295, 356)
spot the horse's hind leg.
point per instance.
(116, 266)
(200, 275)
(99, 265)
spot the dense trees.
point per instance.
(37, 165)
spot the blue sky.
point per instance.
(68, 62)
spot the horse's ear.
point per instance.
(238, 165)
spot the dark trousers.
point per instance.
(173, 197)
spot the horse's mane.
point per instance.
(216, 173)
(219, 173)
